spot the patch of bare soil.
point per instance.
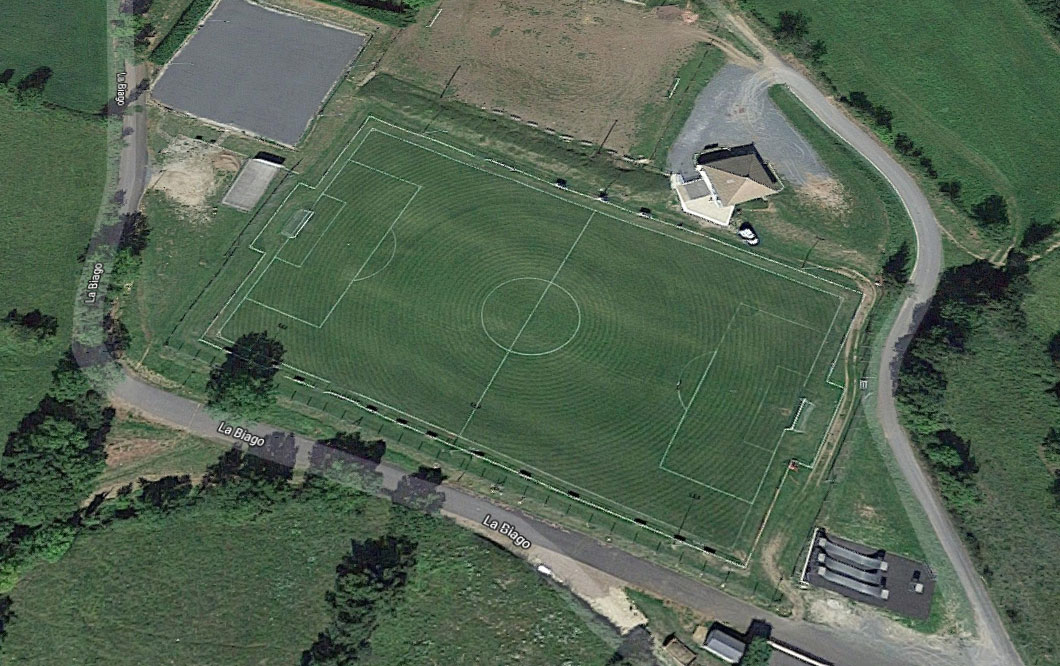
(188, 169)
(769, 554)
(824, 192)
(574, 66)
(604, 593)
(675, 13)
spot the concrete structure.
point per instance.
(724, 645)
(679, 651)
(727, 178)
(250, 184)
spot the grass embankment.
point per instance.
(856, 224)
(67, 36)
(182, 27)
(661, 120)
(52, 166)
(971, 82)
(137, 449)
(239, 573)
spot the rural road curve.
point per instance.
(995, 646)
(848, 647)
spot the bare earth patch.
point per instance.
(604, 593)
(188, 171)
(824, 192)
(575, 66)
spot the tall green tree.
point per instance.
(368, 582)
(758, 653)
(244, 383)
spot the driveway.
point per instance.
(735, 108)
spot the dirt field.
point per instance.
(574, 66)
(188, 171)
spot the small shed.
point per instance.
(724, 645)
(678, 650)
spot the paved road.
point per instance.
(132, 167)
(853, 648)
(849, 646)
(995, 646)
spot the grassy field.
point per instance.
(49, 206)
(138, 449)
(70, 37)
(200, 587)
(971, 81)
(493, 313)
(661, 119)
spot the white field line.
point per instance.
(357, 275)
(558, 491)
(729, 247)
(436, 15)
(704, 236)
(379, 243)
(301, 264)
(519, 334)
(691, 401)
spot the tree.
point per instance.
(1038, 233)
(134, 232)
(33, 324)
(951, 188)
(791, 26)
(419, 490)
(49, 468)
(1053, 349)
(244, 383)
(896, 268)
(1051, 448)
(31, 87)
(367, 583)
(991, 211)
(758, 653)
(903, 144)
(347, 458)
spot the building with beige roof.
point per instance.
(727, 178)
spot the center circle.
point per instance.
(530, 316)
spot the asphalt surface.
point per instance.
(735, 108)
(257, 69)
(995, 646)
(841, 646)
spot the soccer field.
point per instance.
(649, 371)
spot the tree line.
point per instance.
(990, 213)
(969, 296)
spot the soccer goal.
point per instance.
(296, 223)
(802, 416)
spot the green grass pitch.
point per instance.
(651, 371)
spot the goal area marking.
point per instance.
(330, 176)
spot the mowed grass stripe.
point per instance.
(624, 312)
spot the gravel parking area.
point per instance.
(735, 108)
(259, 70)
